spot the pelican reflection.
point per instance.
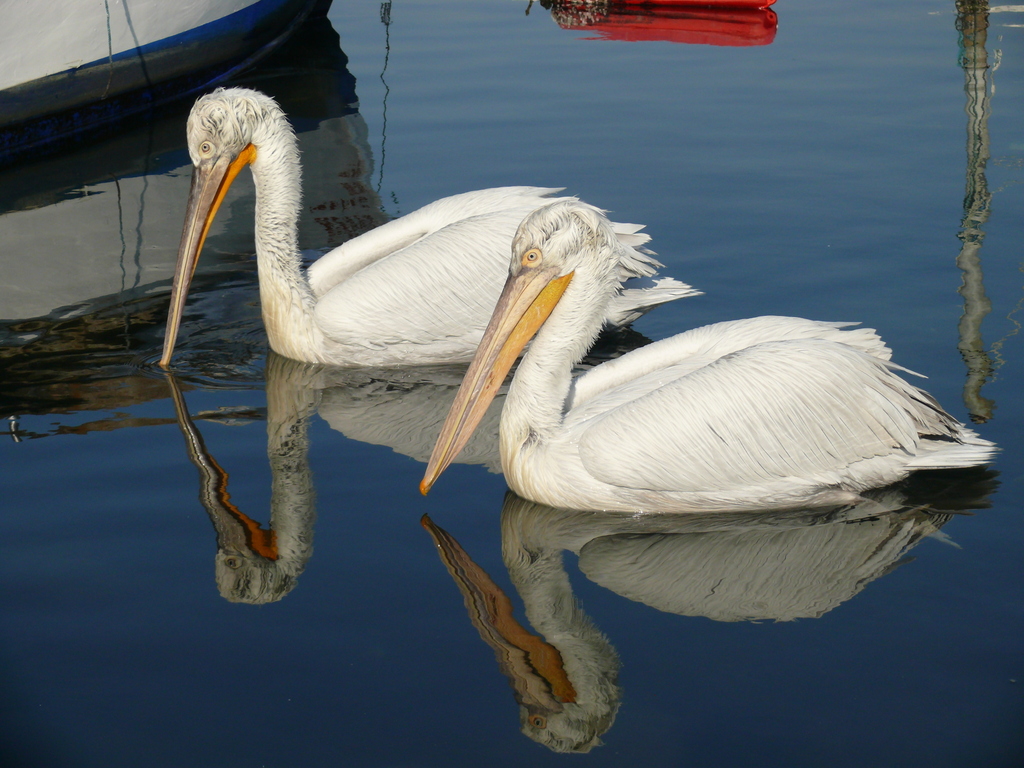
(404, 408)
(535, 668)
(742, 566)
(400, 408)
(566, 684)
(253, 564)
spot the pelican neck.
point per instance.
(285, 296)
(535, 404)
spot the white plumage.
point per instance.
(416, 290)
(765, 412)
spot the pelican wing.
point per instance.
(801, 408)
(642, 294)
(677, 355)
(442, 283)
(439, 287)
(350, 257)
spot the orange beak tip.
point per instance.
(425, 487)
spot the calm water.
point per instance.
(831, 172)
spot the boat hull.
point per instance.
(106, 61)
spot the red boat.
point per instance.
(726, 22)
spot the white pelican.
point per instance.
(416, 290)
(765, 412)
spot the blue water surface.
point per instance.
(826, 174)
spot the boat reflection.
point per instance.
(744, 566)
(120, 202)
(102, 224)
(728, 23)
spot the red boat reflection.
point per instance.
(727, 22)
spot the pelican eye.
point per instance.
(205, 148)
(232, 562)
(532, 256)
(537, 721)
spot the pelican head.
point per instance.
(247, 577)
(567, 241)
(225, 128)
(563, 231)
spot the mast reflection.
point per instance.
(972, 24)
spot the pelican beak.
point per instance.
(210, 181)
(525, 303)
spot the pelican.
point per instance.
(416, 290)
(767, 412)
